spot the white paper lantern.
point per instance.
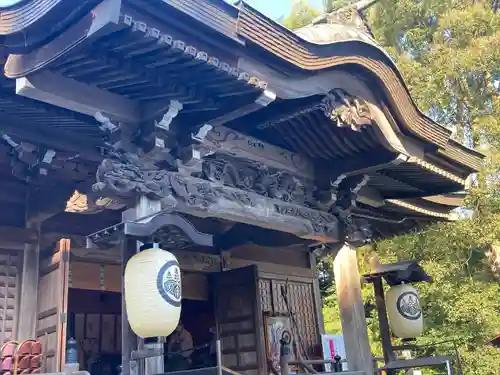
(404, 311)
(153, 292)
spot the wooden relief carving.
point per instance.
(347, 110)
(279, 206)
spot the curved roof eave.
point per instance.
(348, 46)
(21, 22)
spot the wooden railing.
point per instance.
(307, 366)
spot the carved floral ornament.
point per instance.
(348, 16)
(346, 110)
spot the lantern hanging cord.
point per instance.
(284, 295)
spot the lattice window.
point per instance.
(9, 282)
(300, 303)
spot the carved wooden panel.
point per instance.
(9, 283)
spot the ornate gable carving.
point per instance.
(346, 110)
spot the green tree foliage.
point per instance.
(449, 54)
(331, 5)
(302, 14)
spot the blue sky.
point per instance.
(277, 8)
(271, 8)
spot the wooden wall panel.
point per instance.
(52, 305)
(272, 270)
(113, 278)
(107, 277)
(85, 275)
(95, 276)
(284, 257)
(10, 268)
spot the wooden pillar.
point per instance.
(29, 289)
(153, 365)
(352, 312)
(129, 339)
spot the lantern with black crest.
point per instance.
(153, 291)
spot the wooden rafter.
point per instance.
(42, 136)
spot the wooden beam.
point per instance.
(224, 140)
(352, 311)
(14, 238)
(76, 96)
(29, 235)
(9, 246)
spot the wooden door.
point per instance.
(239, 320)
(52, 306)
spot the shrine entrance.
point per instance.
(197, 317)
(94, 319)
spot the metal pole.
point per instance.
(218, 349)
(448, 368)
(285, 357)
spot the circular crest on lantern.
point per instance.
(169, 283)
(408, 305)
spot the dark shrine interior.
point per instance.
(94, 321)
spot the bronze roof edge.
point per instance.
(23, 26)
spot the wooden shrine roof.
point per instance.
(218, 60)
